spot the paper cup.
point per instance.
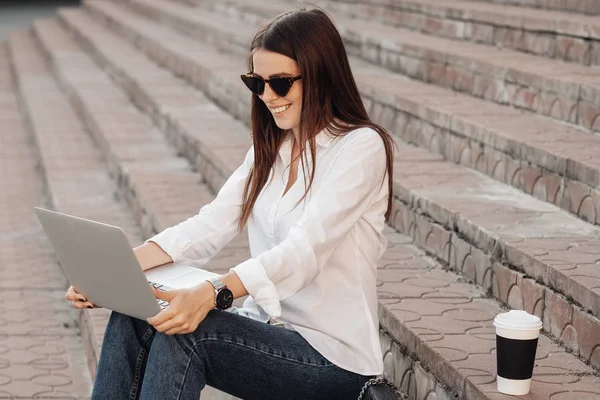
(517, 334)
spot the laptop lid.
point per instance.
(100, 263)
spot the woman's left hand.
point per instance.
(187, 308)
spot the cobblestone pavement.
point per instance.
(41, 351)
(437, 335)
(77, 181)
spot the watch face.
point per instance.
(224, 299)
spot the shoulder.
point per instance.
(360, 151)
(249, 159)
(365, 140)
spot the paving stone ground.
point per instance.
(77, 181)
(41, 350)
(414, 284)
(436, 323)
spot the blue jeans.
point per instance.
(240, 356)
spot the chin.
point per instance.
(285, 125)
(282, 125)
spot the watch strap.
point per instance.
(219, 288)
(217, 283)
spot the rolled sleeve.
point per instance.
(171, 243)
(259, 286)
(200, 237)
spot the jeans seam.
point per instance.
(136, 376)
(187, 368)
(329, 364)
(147, 335)
(138, 365)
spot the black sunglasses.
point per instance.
(281, 86)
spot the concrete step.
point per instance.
(41, 351)
(151, 182)
(402, 257)
(481, 229)
(76, 178)
(579, 6)
(552, 34)
(549, 160)
(565, 91)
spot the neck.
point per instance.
(296, 134)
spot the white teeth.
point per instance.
(280, 109)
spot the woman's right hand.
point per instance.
(78, 300)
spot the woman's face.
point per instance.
(285, 110)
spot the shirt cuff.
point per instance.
(171, 244)
(259, 286)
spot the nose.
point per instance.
(268, 95)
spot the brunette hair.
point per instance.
(330, 98)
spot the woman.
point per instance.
(309, 328)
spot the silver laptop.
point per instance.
(100, 263)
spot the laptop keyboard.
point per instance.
(162, 303)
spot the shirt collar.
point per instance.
(323, 139)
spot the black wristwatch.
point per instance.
(223, 296)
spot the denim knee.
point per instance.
(124, 324)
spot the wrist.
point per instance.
(210, 292)
(205, 294)
(223, 296)
(234, 284)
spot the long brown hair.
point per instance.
(330, 98)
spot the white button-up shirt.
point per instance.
(313, 267)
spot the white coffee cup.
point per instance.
(517, 334)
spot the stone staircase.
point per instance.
(494, 109)
(579, 6)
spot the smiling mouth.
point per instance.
(281, 109)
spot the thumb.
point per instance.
(164, 295)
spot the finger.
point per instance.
(72, 289)
(157, 293)
(169, 324)
(175, 331)
(165, 295)
(83, 304)
(161, 317)
(73, 296)
(78, 304)
(184, 329)
(76, 297)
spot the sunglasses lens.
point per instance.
(281, 86)
(256, 85)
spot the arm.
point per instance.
(151, 255)
(345, 193)
(200, 237)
